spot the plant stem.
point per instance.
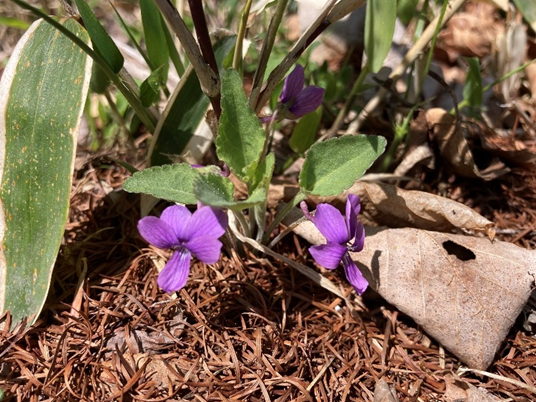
(328, 15)
(267, 50)
(279, 217)
(209, 81)
(358, 85)
(409, 58)
(237, 57)
(203, 37)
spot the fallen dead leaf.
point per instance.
(455, 150)
(391, 206)
(466, 292)
(462, 391)
(382, 392)
(472, 32)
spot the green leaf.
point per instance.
(380, 19)
(240, 137)
(217, 191)
(155, 36)
(169, 182)
(263, 174)
(104, 45)
(150, 88)
(184, 112)
(472, 90)
(304, 133)
(332, 166)
(42, 95)
(528, 9)
(407, 10)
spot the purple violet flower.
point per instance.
(339, 231)
(297, 100)
(187, 234)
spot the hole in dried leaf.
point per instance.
(461, 252)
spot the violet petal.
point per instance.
(330, 222)
(352, 209)
(178, 217)
(208, 221)
(175, 274)
(354, 275)
(293, 84)
(157, 232)
(205, 248)
(307, 101)
(328, 255)
(359, 241)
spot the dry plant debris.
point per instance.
(247, 329)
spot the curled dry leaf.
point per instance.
(391, 206)
(466, 292)
(454, 148)
(462, 391)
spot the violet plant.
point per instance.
(242, 144)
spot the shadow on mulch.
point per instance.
(246, 328)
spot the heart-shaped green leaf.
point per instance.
(217, 191)
(332, 166)
(169, 182)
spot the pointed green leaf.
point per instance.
(333, 166)
(103, 43)
(380, 22)
(472, 90)
(42, 96)
(169, 182)
(155, 37)
(150, 88)
(218, 191)
(240, 137)
(184, 112)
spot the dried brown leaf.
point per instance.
(466, 292)
(462, 391)
(391, 206)
(455, 150)
(382, 392)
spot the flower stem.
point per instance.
(279, 217)
(237, 57)
(266, 51)
(358, 85)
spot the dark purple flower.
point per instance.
(339, 231)
(297, 101)
(187, 234)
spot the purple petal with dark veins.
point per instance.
(330, 222)
(354, 275)
(208, 221)
(178, 217)
(328, 255)
(205, 248)
(307, 101)
(353, 207)
(293, 84)
(175, 274)
(157, 232)
(359, 241)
